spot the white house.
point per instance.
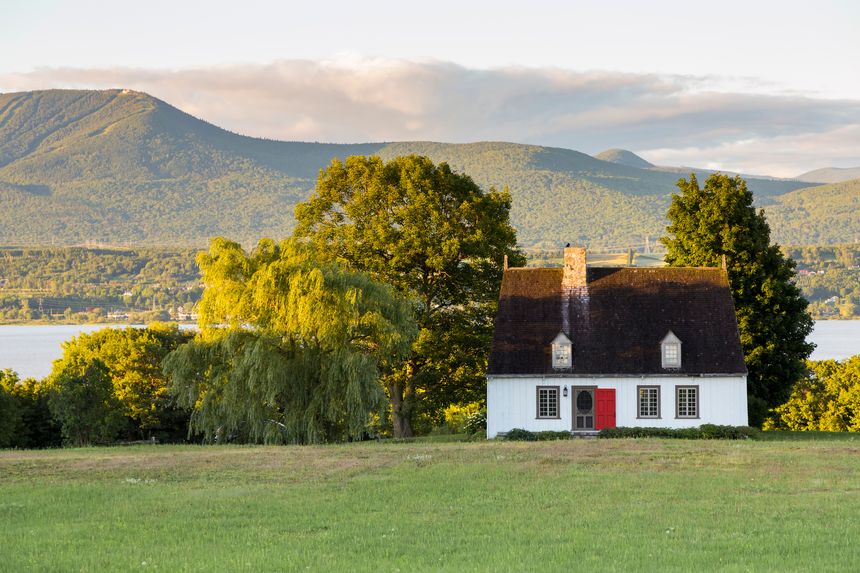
(584, 348)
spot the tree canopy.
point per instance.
(719, 220)
(827, 399)
(438, 238)
(131, 359)
(290, 349)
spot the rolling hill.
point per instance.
(124, 168)
(830, 175)
(623, 157)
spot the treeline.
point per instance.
(75, 284)
(829, 277)
(107, 387)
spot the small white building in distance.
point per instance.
(581, 349)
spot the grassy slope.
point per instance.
(625, 505)
(126, 168)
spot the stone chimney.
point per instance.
(574, 268)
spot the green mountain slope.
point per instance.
(830, 175)
(124, 168)
(827, 214)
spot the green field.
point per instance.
(601, 505)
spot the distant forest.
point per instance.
(72, 284)
(76, 284)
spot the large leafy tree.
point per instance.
(133, 359)
(719, 220)
(435, 235)
(290, 350)
(81, 399)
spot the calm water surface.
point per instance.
(29, 350)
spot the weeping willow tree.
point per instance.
(290, 349)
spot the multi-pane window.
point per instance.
(687, 400)
(672, 354)
(649, 401)
(547, 402)
(670, 351)
(561, 355)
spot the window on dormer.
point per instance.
(670, 348)
(562, 352)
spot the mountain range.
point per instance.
(124, 168)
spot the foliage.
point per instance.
(521, 435)
(703, 432)
(82, 400)
(290, 349)
(438, 238)
(457, 416)
(10, 415)
(25, 419)
(477, 422)
(133, 358)
(720, 220)
(827, 399)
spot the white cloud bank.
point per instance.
(669, 120)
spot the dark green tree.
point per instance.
(25, 419)
(719, 220)
(290, 350)
(436, 236)
(82, 400)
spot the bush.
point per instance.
(703, 432)
(457, 417)
(520, 435)
(477, 422)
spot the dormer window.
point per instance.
(670, 349)
(562, 352)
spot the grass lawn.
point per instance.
(600, 505)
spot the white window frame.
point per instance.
(562, 352)
(561, 355)
(643, 392)
(552, 393)
(670, 351)
(687, 402)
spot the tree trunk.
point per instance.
(402, 427)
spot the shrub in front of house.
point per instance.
(703, 432)
(520, 435)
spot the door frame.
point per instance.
(573, 391)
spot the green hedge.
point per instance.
(520, 435)
(703, 432)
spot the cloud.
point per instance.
(669, 119)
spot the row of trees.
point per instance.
(377, 315)
(108, 385)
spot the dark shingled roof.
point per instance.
(616, 323)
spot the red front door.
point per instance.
(605, 412)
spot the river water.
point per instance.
(29, 350)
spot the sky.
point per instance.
(754, 86)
